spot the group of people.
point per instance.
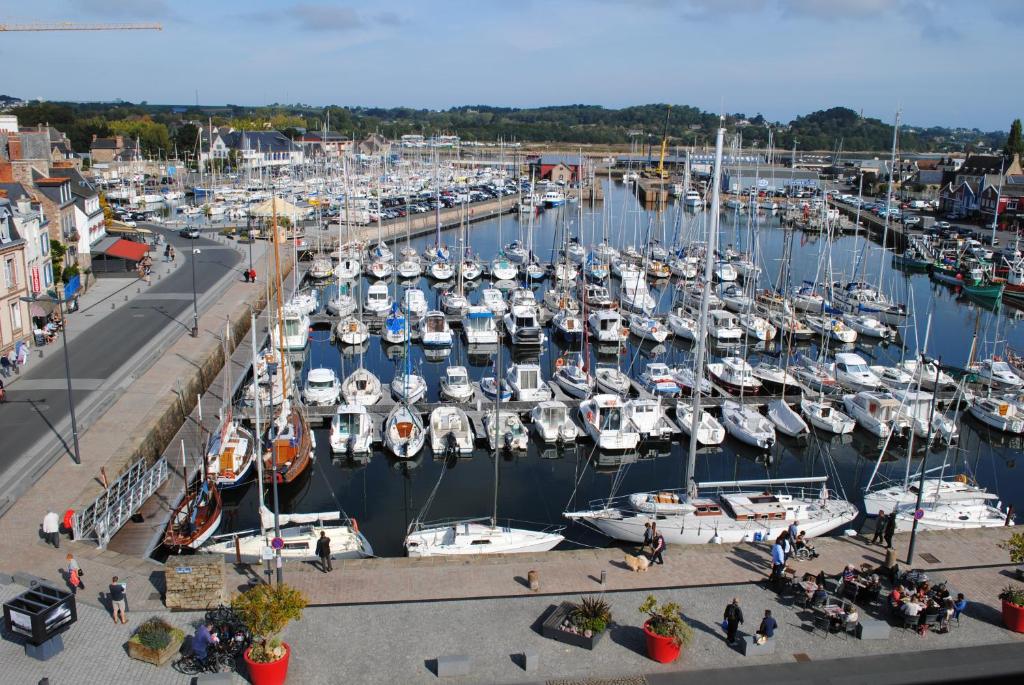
(249, 275)
(926, 604)
(788, 543)
(654, 541)
(732, 617)
(169, 254)
(885, 528)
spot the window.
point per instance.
(16, 316)
(10, 273)
(48, 275)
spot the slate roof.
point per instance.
(929, 177)
(552, 160)
(104, 144)
(979, 165)
(7, 216)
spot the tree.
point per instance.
(57, 252)
(1014, 142)
(186, 138)
(153, 137)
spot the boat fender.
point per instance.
(559, 362)
(355, 525)
(961, 478)
(229, 474)
(590, 416)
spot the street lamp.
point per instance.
(195, 304)
(248, 235)
(59, 301)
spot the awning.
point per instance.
(121, 229)
(41, 309)
(125, 249)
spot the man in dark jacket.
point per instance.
(890, 529)
(768, 624)
(879, 528)
(657, 547)
(323, 550)
(733, 617)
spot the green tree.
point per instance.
(153, 137)
(1014, 143)
(186, 139)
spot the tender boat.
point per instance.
(403, 432)
(450, 431)
(322, 387)
(507, 433)
(551, 421)
(351, 430)
(455, 386)
(605, 423)
(709, 430)
(747, 425)
(361, 387)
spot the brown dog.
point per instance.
(638, 563)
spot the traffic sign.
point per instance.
(277, 543)
(919, 514)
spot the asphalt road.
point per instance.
(35, 421)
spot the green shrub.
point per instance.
(666, 620)
(1014, 594)
(266, 610)
(592, 613)
(156, 633)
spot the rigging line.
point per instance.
(430, 498)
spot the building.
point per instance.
(556, 168)
(15, 323)
(253, 150)
(317, 144)
(89, 220)
(373, 145)
(32, 227)
(963, 194)
(1010, 202)
(58, 205)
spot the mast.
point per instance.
(497, 436)
(888, 200)
(257, 440)
(702, 321)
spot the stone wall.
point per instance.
(194, 582)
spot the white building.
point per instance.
(254, 150)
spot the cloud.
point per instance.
(124, 9)
(325, 18)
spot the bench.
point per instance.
(872, 629)
(452, 665)
(751, 648)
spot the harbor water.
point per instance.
(386, 495)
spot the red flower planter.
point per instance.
(1013, 617)
(662, 649)
(273, 673)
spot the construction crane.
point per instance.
(660, 171)
(69, 26)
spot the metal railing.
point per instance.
(125, 496)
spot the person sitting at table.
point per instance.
(910, 609)
(819, 597)
(768, 625)
(849, 575)
(924, 588)
(850, 616)
(820, 578)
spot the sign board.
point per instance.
(182, 570)
(267, 553)
(277, 543)
(919, 514)
(37, 281)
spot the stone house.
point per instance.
(15, 323)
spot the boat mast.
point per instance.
(497, 436)
(257, 440)
(702, 321)
(888, 200)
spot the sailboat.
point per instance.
(198, 514)
(478, 536)
(229, 450)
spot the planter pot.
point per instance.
(273, 673)
(552, 628)
(662, 649)
(1013, 617)
(157, 657)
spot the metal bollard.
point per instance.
(534, 578)
(604, 577)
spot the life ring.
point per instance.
(229, 474)
(961, 478)
(559, 362)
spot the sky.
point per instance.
(941, 62)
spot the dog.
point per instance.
(638, 563)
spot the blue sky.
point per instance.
(943, 62)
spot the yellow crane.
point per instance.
(660, 171)
(69, 26)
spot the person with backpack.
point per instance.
(732, 618)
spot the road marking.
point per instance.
(164, 296)
(57, 384)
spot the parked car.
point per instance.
(190, 232)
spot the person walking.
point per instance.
(118, 602)
(890, 529)
(51, 529)
(252, 275)
(323, 550)
(778, 560)
(733, 617)
(657, 547)
(3, 390)
(75, 574)
(648, 537)
(245, 275)
(880, 521)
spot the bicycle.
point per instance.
(217, 661)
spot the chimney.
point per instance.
(24, 206)
(94, 137)
(14, 148)
(6, 172)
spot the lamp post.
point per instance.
(59, 301)
(195, 304)
(248, 235)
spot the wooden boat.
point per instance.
(195, 518)
(291, 450)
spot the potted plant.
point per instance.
(155, 642)
(665, 629)
(1015, 546)
(581, 625)
(266, 610)
(1013, 607)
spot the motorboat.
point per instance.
(831, 327)
(454, 303)
(757, 327)
(553, 198)
(322, 387)
(852, 372)
(893, 377)
(824, 416)
(735, 376)
(455, 385)
(300, 533)
(527, 383)
(607, 327)
(787, 421)
(293, 332)
(378, 298)
(361, 387)
(597, 297)
(734, 299)
(737, 511)
(494, 301)
(723, 325)
(774, 378)
(684, 378)
(403, 432)
(567, 324)
(682, 324)
(604, 421)
(473, 538)
(408, 387)
(450, 431)
(997, 373)
(709, 430)
(351, 430)
(230, 454)
(522, 326)
(434, 330)
(868, 326)
(351, 331)
(931, 375)
(415, 304)
(478, 326)
(692, 200)
(551, 421)
(1001, 414)
(646, 328)
(571, 377)
(609, 379)
(507, 432)
(489, 388)
(747, 425)
(876, 412)
(649, 419)
(657, 379)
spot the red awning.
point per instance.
(126, 249)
